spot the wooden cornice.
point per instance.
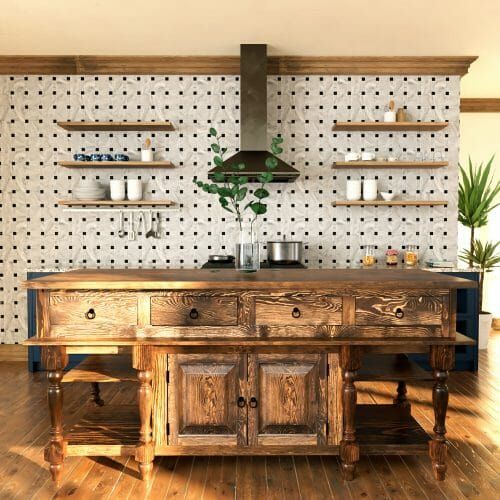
(480, 105)
(230, 65)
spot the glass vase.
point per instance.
(247, 250)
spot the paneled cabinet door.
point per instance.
(287, 399)
(203, 399)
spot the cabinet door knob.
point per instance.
(296, 312)
(399, 313)
(90, 314)
(193, 314)
(241, 402)
(253, 402)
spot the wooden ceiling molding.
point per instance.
(230, 65)
(480, 105)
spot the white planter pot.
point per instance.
(484, 329)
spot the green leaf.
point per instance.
(213, 132)
(242, 179)
(261, 193)
(215, 148)
(218, 161)
(271, 162)
(240, 166)
(199, 184)
(240, 195)
(265, 177)
(219, 177)
(224, 192)
(213, 188)
(223, 202)
(277, 140)
(258, 208)
(276, 149)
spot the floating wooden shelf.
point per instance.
(102, 368)
(410, 203)
(389, 429)
(390, 164)
(116, 164)
(111, 203)
(389, 126)
(391, 368)
(115, 126)
(110, 430)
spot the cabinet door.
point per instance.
(203, 392)
(289, 405)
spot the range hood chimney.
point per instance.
(253, 121)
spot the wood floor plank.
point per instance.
(216, 486)
(404, 477)
(338, 487)
(180, 480)
(163, 476)
(289, 478)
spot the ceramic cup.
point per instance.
(369, 190)
(390, 116)
(117, 190)
(146, 155)
(353, 190)
(351, 156)
(134, 189)
(121, 157)
(367, 156)
(96, 157)
(107, 157)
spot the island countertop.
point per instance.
(184, 279)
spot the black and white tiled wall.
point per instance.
(36, 233)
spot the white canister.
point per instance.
(353, 190)
(134, 189)
(146, 155)
(390, 116)
(369, 190)
(117, 190)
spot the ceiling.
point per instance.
(316, 27)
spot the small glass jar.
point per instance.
(411, 255)
(391, 257)
(369, 256)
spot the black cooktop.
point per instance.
(263, 265)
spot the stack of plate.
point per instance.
(90, 190)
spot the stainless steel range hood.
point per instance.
(253, 122)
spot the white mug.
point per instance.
(369, 190)
(117, 190)
(353, 190)
(146, 155)
(367, 156)
(389, 116)
(352, 156)
(134, 189)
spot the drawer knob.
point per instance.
(90, 314)
(193, 314)
(253, 402)
(399, 313)
(241, 402)
(296, 312)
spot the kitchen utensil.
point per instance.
(131, 232)
(134, 189)
(147, 151)
(158, 222)
(401, 115)
(387, 196)
(221, 259)
(121, 231)
(390, 116)
(284, 251)
(117, 189)
(353, 190)
(369, 189)
(150, 233)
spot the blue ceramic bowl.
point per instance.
(81, 157)
(121, 157)
(95, 157)
(107, 157)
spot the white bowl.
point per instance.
(387, 196)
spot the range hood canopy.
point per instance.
(253, 123)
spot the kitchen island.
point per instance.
(235, 363)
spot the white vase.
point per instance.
(484, 329)
(146, 155)
(389, 116)
(134, 189)
(369, 190)
(117, 190)
(353, 190)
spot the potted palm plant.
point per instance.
(477, 197)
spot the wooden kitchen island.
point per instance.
(232, 363)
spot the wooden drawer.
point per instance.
(93, 308)
(298, 309)
(194, 310)
(399, 309)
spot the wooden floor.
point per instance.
(473, 471)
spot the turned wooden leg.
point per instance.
(145, 449)
(55, 359)
(95, 394)
(442, 359)
(350, 362)
(401, 399)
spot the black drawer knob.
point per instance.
(399, 313)
(193, 314)
(242, 401)
(296, 312)
(253, 402)
(90, 314)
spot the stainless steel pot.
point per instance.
(284, 251)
